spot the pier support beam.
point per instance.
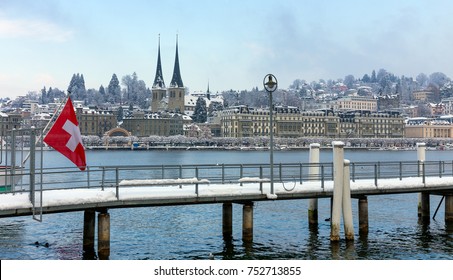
(247, 222)
(89, 224)
(424, 213)
(313, 175)
(363, 216)
(449, 212)
(338, 161)
(227, 220)
(104, 235)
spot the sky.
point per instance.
(226, 44)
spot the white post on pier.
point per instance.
(337, 201)
(347, 204)
(423, 198)
(313, 175)
(421, 151)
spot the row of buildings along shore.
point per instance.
(172, 108)
(243, 121)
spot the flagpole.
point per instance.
(46, 127)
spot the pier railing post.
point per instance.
(322, 176)
(32, 166)
(300, 173)
(241, 173)
(88, 176)
(180, 174)
(375, 175)
(103, 178)
(223, 173)
(117, 183)
(261, 177)
(196, 184)
(423, 172)
(440, 169)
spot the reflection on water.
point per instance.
(281, 231)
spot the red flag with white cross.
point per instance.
(65, 137)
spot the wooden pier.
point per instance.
(342, 181)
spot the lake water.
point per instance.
(281, 229)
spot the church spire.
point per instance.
(208, 93)
(159, 79)
(176, 81)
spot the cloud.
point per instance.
(34, 29)
(44, 79)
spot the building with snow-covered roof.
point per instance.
(356, 103)
(95, 122)
(9, 121)
(244, 121)
(160, 123)
(434, 127)
(209, 98)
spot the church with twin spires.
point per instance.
(169, 99)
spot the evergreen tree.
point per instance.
(120, 115)
(366, 78)
(102, 95)
(114, 90)
(77, 87)
(214, 107)
(200, 115)
(50, 95)
(43, 98)
(82, 89)
(373, 77)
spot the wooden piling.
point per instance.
(227, 220)
(363, 215)
(247, 221)
(89, 224)
(449, 212)
(313, 174)
(104, 235)
(338, 159)
(424, 215)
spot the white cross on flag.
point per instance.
(65, 137)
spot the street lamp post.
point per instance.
(270, 85)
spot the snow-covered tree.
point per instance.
(77, 87)
(200, 114)
(114, 90)
(135, 90)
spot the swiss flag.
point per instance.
(65, 137)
